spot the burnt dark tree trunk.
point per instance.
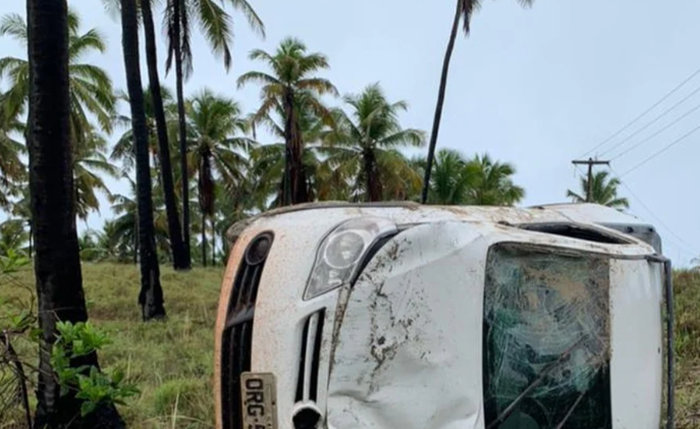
(177, 245)
(31, 240)
(204, 239)
(205, 188)
(375, 191)
(441, 100)
(136, 241)
(295, 186)
(57, 261)
(182, 125)
(151, 296)
(213, 241)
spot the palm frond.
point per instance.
(410, 137)
(14, 25)
(257, 77)
(78, 45)
(247, 10)
(216, 25)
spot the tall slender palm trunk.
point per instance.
(213, 241)
(31, 240)
(57, 260)
(441, 101)
(151, 296)
(177, 245)
(374, 184)
(295, 187)
(204, 239)
(182, 128)
(136, 241)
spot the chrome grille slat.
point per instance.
(309, 359)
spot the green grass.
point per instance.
(172, 361)
(687, 344)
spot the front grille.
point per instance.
(309, 358)
(237, 337)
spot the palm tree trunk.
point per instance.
(136, 241)
(31, 239)
(182, 128)
(177, 245)
(288, 156)
(57, 260)
(151, 296)
(204, 239)
(374, 184)
(440, 102)
(213, 241)
(296, 188)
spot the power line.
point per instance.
(664, 98)
(667, 147)
(657, 133)
(687, 246)
(653, 121)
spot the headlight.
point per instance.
(343, 250)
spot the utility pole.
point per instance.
(590, 162)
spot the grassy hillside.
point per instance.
(172, 362)
(687, 295)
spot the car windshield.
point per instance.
(546, 339)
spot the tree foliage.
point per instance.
(604, 191)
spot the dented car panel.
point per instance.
(406, 338)
(404, 343)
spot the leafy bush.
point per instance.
(93, 386)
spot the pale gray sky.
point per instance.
(536, 87)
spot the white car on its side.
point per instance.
(401, 316)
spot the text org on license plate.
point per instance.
(258, 400)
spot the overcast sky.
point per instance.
(537, 87)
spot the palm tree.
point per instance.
(90, 164)
(90, 86)
(457, 180)
(400, 180)
(13, 236)
(57, 261)
(463, 13)
(450, 182)
(151, 296)
(363, 141)
(603, 191)
(323, 181)
(216, 24)
(291, 87)
(123, 149)
(217, 155)
(90, 94)
(12, 170)
(491, 183)
(181, 260)
(21, 209)
(123, 230)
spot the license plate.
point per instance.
(258, 400)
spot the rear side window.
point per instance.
(546, 340)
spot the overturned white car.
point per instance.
(418, 317)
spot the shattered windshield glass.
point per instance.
(546, 339)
